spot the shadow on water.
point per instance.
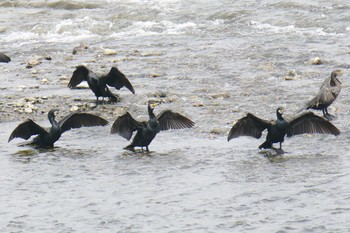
(274, 155)
(31, 153)
(142, 153)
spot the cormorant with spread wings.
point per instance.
(47, 138)
(125, 125)
(98, 84)
(253, 126)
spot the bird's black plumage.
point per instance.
(327, 94)
(125, 125)
(99, 84)
(4, 58)
(47, 138)
(253, 126)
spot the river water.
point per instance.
(214, 61)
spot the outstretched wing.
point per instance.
(26, 129)
(125, 125)
(173, 120)
(117, 79)
(77, 120)
(249, 125)
(79, 75)
(311, 124)
(4, 58)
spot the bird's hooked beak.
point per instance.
(280, 110)
(53, 111)
(153, 104)
(338, 73)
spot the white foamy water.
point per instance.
(214, 61)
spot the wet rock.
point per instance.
(63, 77)
(74, 108)
(223, 95)
(68, 58)
(109, 52)
(199, 104)
(217, 131)
(48, 58)
(19, 103)
(316, 61)
(119, 111)
(92, 105)
(28, 110)
(159, 94)
(33, 62)
(291, 75)
(80, 48)
(151, 54)
(154, 75)
(44, 80)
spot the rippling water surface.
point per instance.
(214, 61)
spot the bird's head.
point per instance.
(52, 112)
(151, 106)
(336, 73)
(280, 111)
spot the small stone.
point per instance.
(28, 110)
(31, 106)
(198, 105)
(74, 108)
(223, 95)
(63, 77)
(80, 48)
(19, 103)
(109, 52)
(34, 71)
(30, 99)
(92, 105)
(34, 62)
(44, 80)
(316, 61)
(217, 131)
(155, 75)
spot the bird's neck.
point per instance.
(150, 113)
(334, 80)
(280, 117)
(53, 121)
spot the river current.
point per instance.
(214, 61)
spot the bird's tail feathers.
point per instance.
(266, 145)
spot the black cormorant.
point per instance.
(328, 92)
(47, 138)
(4, 58)
(253, 126)
(125, 125)
(98, 84)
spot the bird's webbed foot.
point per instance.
(329, 117)
(129, 148)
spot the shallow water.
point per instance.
(215, 62)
